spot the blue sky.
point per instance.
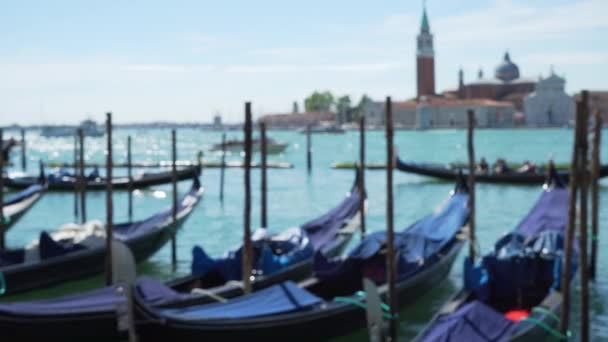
(62, 61)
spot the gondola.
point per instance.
(513, 295)
(65, 181)
(15, 206)
(321, 307)
(76, 251)
(448, 172)
(287, 255)
(101, 311)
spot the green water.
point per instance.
(294, 196)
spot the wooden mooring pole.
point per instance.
(2, 219)
(130, 175)
(391, 267)
(23, 151)
(308, 150)
(583, 250)
(595, 199)
(471, 181)
(569, 239)
(362, 172)
(76, 167)
(174, 184)
(247, 247)
(82, 186)
(263, 179)
(223, 167)
(109, 203)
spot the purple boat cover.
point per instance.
(23, 194)
(322, 230)
(125, 231)
(415, 245)
(107, 299)
(550, 213)
(278, 299)
(473, 322)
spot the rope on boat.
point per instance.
(553, 332)
(2, 284)
(356, 302)
(210, 294)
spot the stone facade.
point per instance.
(297, 120)
(549, 105)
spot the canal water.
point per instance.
(295, 196)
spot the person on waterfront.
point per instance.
(483, 166)
(501, 166)
(527, 167)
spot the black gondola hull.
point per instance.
(451, 174)
(122, 183)
(318, 324)
(80, 264)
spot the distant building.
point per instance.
(505, 85)
(549, 105)
(217, 121)
(425, 59)
(498, 101)
(437, 112)
(300, 120)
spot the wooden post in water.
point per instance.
(130, 175)
(308, 150)
(263, 185)
(82, 187)
(247, 251)
(2, 225)
(77, 185)
(23, 151)
(223, 167)
(568, 243)
(391, 267)
(109, 203)
(471, 181)
(362, 172)
(583, 251)
(595, 176)
(174, 183)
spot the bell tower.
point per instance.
(425, 58)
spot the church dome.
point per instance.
(507, 70)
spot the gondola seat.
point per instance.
(50, 248)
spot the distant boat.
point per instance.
(89, 127)
(324, 128)
(272, 146)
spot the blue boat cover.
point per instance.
(23, 194)
(415, 246)
(278, 299)
(550, 213)
(102, 300)
(322, 230)
(272, 255)
(154, 292)
(473, 322)
(129, 230)
(523, 268)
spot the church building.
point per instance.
(495, 100)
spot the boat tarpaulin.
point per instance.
(414, 245)
(472, 322)
(278, 299)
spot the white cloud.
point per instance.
(169, 68)
(287, 68)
